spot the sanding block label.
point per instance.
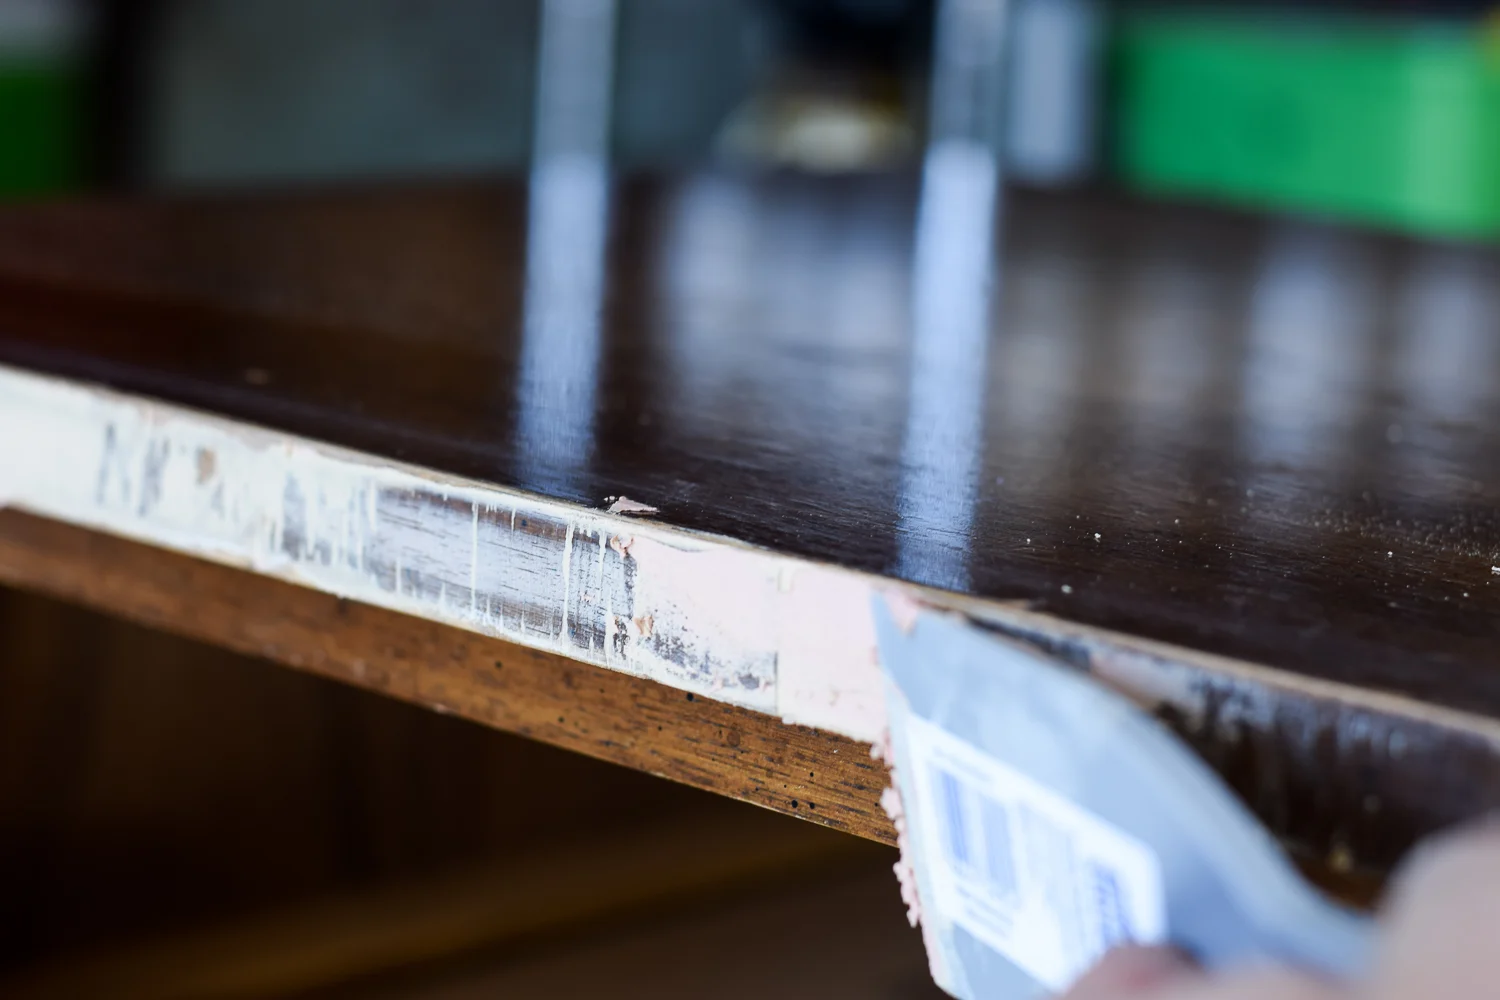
(1044, 817)
(1045, 883)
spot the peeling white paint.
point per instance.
(701, 614)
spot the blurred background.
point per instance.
(167, 810)
(1378, 111)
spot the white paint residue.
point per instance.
(807, 628)
(741, 625)
(906, 873)
(567, 576)
(828, 674)
(468, 554)
(708, 598)
(474, 562)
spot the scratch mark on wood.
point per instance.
(474, 560)
(567, 575)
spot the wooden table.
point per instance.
(1243, 470)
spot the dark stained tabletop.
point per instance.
(1268, 439)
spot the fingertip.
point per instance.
(1438, 923)
(1451, 861)
(1132, 971)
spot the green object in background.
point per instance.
(1385, 122)
(40, 111)
(42, 107)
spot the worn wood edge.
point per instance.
(1168, 673)
(635, 722)
(730, 751)
(698, 613)
(610, 874)
(1350, 778)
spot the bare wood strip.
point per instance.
(638, 723)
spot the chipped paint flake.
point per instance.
(625, 505)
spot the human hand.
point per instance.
(1439, 937)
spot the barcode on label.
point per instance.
(1047, 884)
(958, 812)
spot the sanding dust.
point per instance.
(625, 505)
(890, 801)
(906, 874)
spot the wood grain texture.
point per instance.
(1347, 787)
(1265, 440)
(746, 755)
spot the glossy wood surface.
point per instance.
(1265, 439)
